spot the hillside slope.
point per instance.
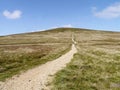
(96, 49)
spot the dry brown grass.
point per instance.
(96, 66)
(24, 51)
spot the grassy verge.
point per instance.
(17, 59)
(90, 70)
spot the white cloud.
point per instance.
(68, 25)
(112, 11)
(63, 26)
(12, 15)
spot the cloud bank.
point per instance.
(112, 11)
(12, 15)
(63, 26)
(68, 25)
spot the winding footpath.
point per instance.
(37, 78)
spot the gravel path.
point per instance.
(37, 78)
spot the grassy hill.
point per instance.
(96, 66)
(20, 52)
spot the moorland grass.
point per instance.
(20, 52)
(12, 63)
(90, 72)
(96, 66)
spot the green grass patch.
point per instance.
(12, 63)
(89, 72)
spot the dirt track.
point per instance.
(37, 78)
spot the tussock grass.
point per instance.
(87, 72)
(96, 66)
(50, 36)
(21, 52)
(12, 62)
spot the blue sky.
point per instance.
(18, 16)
